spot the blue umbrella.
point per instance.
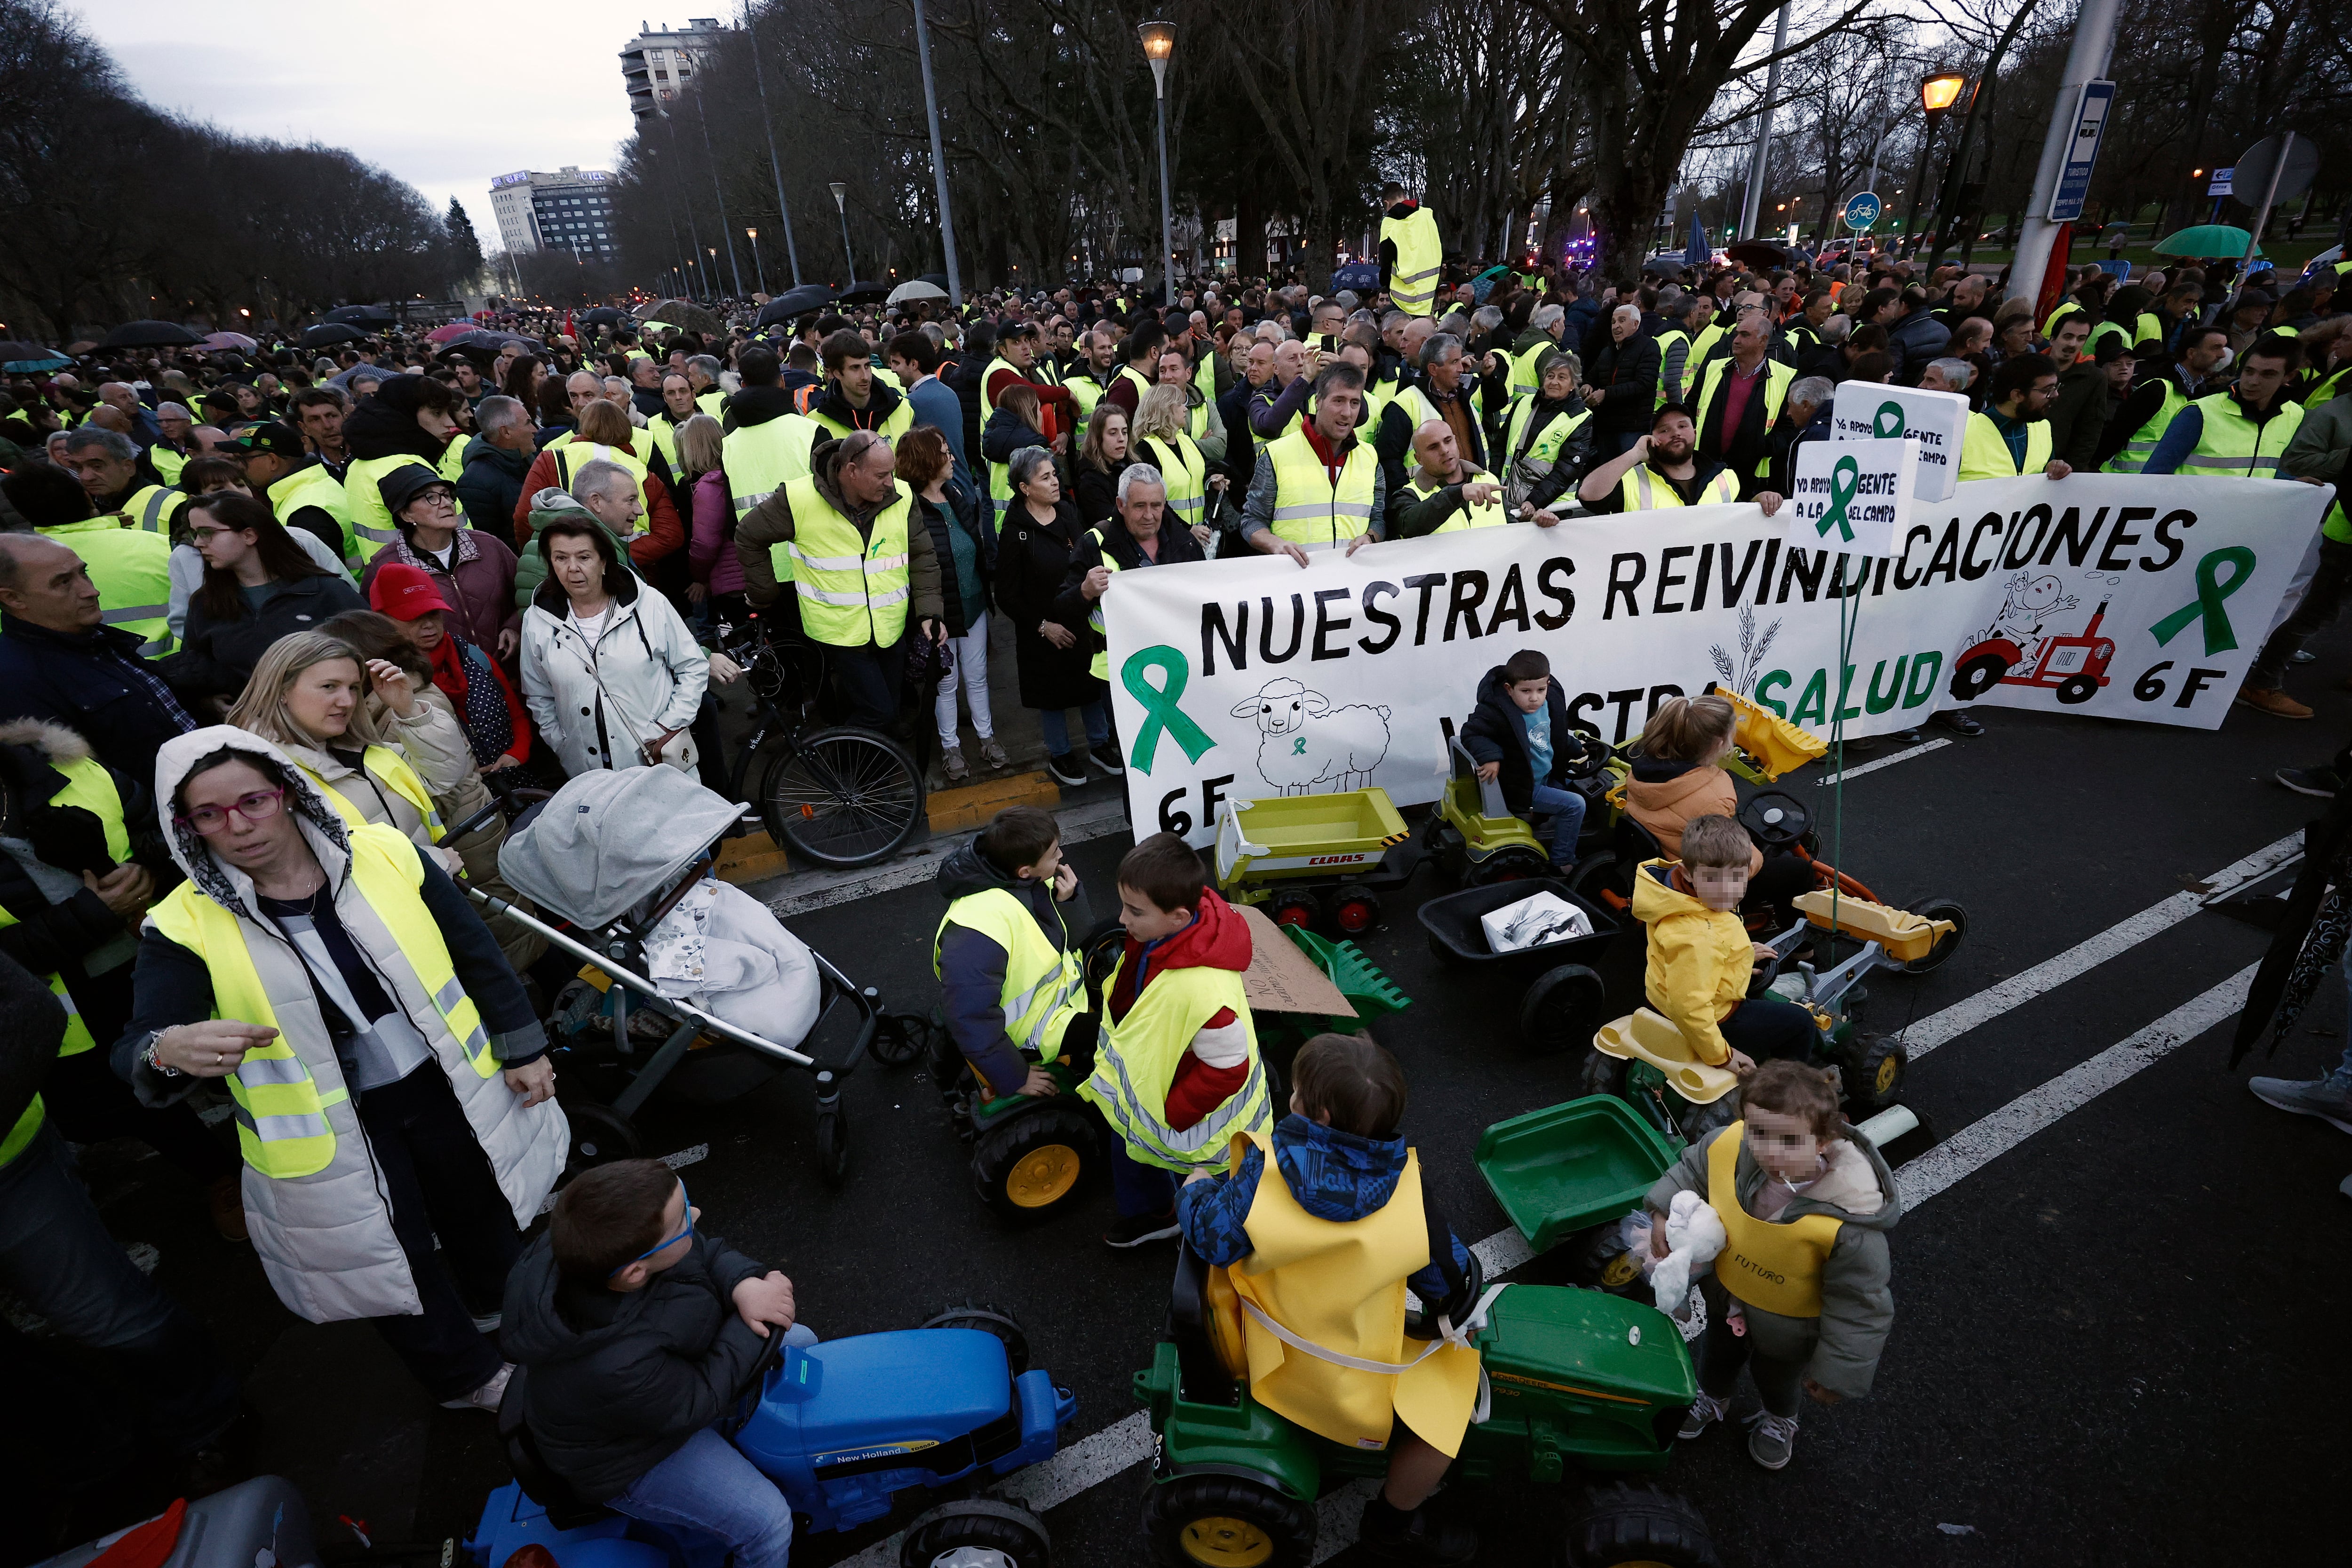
(1696, 253)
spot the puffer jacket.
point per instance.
(1700, 959)
(1840, 1349)
(326, 1240)
(593, 705)
(1662, 796)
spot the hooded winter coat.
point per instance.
(971, 967)
(594, 704)
(326, 1240)
(1497, 733)
(614, 1382)
(1699, 964)
(1662, 796)
(1840, 1349)
(661, 533)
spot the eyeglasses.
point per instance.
(259, 806)
(436, 497)
(673, 1241)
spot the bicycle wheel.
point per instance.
(843, 797)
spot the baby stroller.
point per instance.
(678, 967)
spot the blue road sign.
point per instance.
(2081, 150)
(1862, 211)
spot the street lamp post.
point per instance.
(759, 267)
(1937, 94)
(938, 159)
(841, 204)
(776, 164)
(1159, 43)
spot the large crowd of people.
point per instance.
(272, 620)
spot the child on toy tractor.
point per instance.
(630, 1333)
(1521, 734)
(1177, 1074)
(1677, 775)
(1012, 981)
(1701, 964)
(1322, 1227)
(1799, 1295)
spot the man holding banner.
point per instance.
(1318, 486)
(1664, 469)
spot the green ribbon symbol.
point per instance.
(1161, 715)
(1844, 480)
(2219, 636)
(1887, 423)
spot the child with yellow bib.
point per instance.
(1799, 1295)
(1320, 1242)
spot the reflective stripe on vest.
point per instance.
(391, 770)
(282, 1122)
(1774, 1265)
(1778, 379)
(1183, 473)
(1136, 1060)
(1420, 257)
(2133, 455)
(314, 486)
(901, 420)
(2232, 446)
(131, 569)
(1308, 509)
(371, 521)
(151, 510)
(1044, 986)
(574, 456)
(1635, 492)
(853, 588)
(88, 787)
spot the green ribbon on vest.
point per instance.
(2220, 636)
(1844, 480)
(1160, 713)
(1882, 429)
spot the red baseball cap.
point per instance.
(404, 593)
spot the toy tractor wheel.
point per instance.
(1227, 1521)
(900, 1038)
(833, 1144)
(1620, 1526)
(1355, 910)
(1940, 909)
(1597, 874)
(1872, 1067)
(988, 1319)
(1300, 909)
(1600, 1261)
(977, 1533)
(1035, 1164)
(1978, 676)
(1507, 866)
(1101, 959)
(1600, 1074)
(599, 1136)
(1562, 1009)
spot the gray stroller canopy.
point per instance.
(609, 841)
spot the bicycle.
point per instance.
(840, 795)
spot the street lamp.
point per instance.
(1159, 43)
(759, 267)
(841, 204)
(1937, 94)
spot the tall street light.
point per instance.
(1937, 94)
(757, 265)
(1159, 43)
(776, 164)
(841, 204)
(938, 160)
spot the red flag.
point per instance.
(2053, 276)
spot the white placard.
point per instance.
(1937, 420)
(1853, 495)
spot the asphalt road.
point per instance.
(2118, 1315)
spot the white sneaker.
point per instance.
(2329, 1098)
(1772, 1439)
(1705, 1412)
(485, 1397)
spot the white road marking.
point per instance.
(810, 891)
(1986, 1139)
(1962, 1016)
(1886, 762)
(1085, 1463)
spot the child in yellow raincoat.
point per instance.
(1701, 962)
(1320, 1243)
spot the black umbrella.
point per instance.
(606, 315)
(364, 316)
(481, 348)
(868, 293)
(327, 334)
(1665, 266)
(1758, 253)
(793, 302)
(150, 335)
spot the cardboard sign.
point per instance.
(1281, 979)
(1853, 495)
(1868, 410)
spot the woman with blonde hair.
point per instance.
(1678, 775)
(1161, 439)
(310, 696)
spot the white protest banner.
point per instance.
(1854, 494)
(2123, 595)
(1938, 421)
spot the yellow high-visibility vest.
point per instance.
(90, 787)
(132, 570)
(1420, 257)
(1044, 986)
(2232, 446)
(1984, 453)
(853, 588)
(1638, 492)
(1773, 1265)
(1308, 509)
(1136, 1060)
(391, 770)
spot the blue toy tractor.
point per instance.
(842, 1427)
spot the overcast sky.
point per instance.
(443, 93)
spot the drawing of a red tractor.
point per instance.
(2075, 667)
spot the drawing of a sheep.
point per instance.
(1305, 746)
